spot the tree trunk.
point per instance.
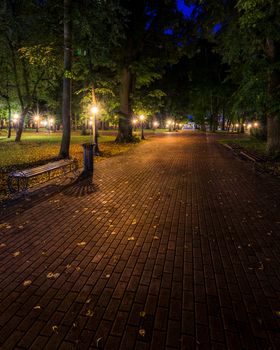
(273, 121)
(66, 99)
(125, 127)
(9, 120)
(273, 135)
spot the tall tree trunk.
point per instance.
(66, 97)
(9, 119)
(125, 127)
(273, 120)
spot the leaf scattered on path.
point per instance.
(81, 244)
(27, 283)
(142, 313)
(37, 307)
(2, 245)
(5, 225)
(133, 222)
(16, 253)
(131, 238)
(55, 329)
(155, 237)
(142, 332)
(98, 341)
(89, 313)
(52, 275)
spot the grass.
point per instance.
(251, 144)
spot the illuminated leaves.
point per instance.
(5, 225)
(81, 244)
(15, 254)
(27, 283)
(89, 313)
(52, 275)
(131, 238)
(142, 332)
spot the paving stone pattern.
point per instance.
(176, 246)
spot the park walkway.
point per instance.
(176, 246)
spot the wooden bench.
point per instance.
(19, 180)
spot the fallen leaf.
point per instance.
(142, 313)
(55, 329)
(155, 237)
(81, 244)
(113, 233)
(16, 253)
(88, 301)
(5, 225)
(155, 226)
(37, 307)
(78, 268)
(107, 276)
(277, 313)
(27, 283)
(133, 222)
(20, 226)
(68, 266)
(52, 275)
(131, 238)
(89, 313)
(98, 341)
(2, 245)
(142, 332)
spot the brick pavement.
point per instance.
(175, 247)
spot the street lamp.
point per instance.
(134, 122)
(36, 118)
(94, 110)
(142, 118)
(155, 124)
(15, 120)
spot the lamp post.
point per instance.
(155, 125)
(94, 110)
(134, 122)
(36, 118)
(142, 118)
(15, 120)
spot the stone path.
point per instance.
(176, 246)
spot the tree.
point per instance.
(66, 99)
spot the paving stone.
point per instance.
(176, 247)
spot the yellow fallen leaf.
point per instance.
(98, 341)
(142, 313)
(2, 245)
(113, 233)
(155, 237)
(55, 329)
(68, 266)
(27, 283)
(131, 238)
(78, 268)
(52, 275)
(81, 244)
(16, 253)
(133, 222)
(20, 226)
(5, 225)
(89, 313)
(107, 276)
(142, 332)
(37, 307)
(88, 301)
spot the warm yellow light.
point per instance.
(249, 126)
(141, 117)
(36, 118)
(90, 122)
(237, 125)
(134, 121)
(16, 116)
(155, 124)
(51, 121)
(244, 124)
(256, 125)
(94, 109)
